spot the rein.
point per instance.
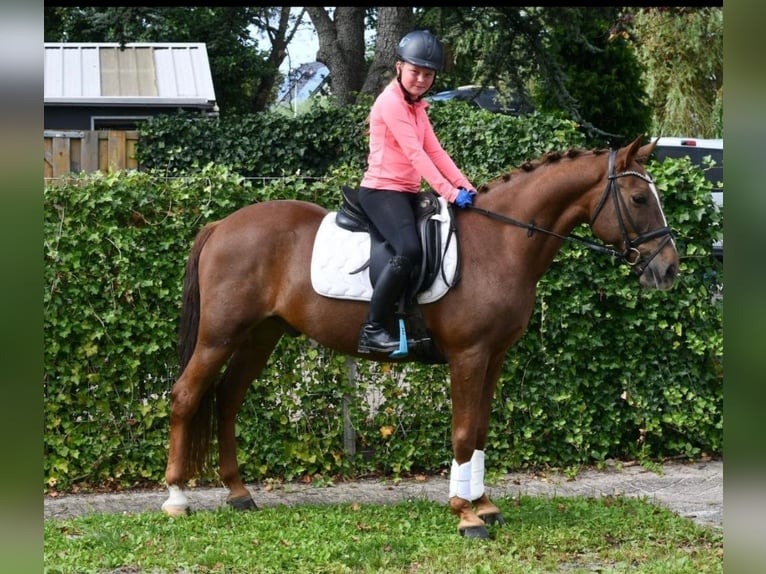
(630, 255)
(531, 228)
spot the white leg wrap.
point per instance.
(460, 480)
(176, 501)
(477, 474)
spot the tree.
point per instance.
(682, 50)
(575, 61)
(558, 56)
(341, 48)
(601, 77)
(393, 22)
(279, 37)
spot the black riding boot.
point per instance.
(374, 338)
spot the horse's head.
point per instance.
(629, 216)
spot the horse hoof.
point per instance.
(479, 532)
(172, 510)
(493, 518)
(246, 503)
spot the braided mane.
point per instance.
(531, 165)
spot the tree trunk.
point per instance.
(280, 38)
(341, 48)
(280, 25)
(393, 23)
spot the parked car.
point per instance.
(485, 98)
(696, 149)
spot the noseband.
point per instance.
(630, 255)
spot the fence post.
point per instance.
(349, 434)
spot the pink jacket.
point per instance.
(404, 149)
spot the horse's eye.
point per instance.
(639, 199)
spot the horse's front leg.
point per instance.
(483, 506)
(470, 524)
(472, 393)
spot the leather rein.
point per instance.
(630, 254)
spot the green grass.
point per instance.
(541, 534)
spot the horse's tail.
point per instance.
(202, 425)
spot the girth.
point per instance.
(352, 217)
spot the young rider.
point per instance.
(403, 151)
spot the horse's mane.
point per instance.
(533, 164)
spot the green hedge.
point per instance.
(270, 144)
(606, 370)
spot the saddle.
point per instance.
(351, 216)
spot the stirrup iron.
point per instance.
(402, 351)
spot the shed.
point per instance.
(94, 86)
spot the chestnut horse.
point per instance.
(247, 283)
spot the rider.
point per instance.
(403, 151)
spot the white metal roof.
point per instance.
(138, 74)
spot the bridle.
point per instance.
(630, 255)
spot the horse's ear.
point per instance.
(634, 151)
(643, 154)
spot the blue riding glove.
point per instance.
(465, 197)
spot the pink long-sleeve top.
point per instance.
(404, 149)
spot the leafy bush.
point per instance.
(270, 144)
(606, 370)
(114, 248)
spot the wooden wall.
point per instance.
(66, 152)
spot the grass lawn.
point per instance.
(541, 534)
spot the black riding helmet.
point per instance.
(421, 48)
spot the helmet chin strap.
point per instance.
(407, 96)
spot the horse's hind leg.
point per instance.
(188, 442)
(246, 364)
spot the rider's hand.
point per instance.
(465, 197)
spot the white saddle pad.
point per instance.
(338, 252)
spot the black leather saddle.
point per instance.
(352, 217)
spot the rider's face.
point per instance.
(415, 79)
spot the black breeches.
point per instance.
(393, 215)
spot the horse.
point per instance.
(247, 284)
